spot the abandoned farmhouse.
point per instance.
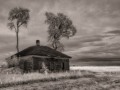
(33, 58)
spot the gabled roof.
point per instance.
(41, 51)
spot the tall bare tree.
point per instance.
(59, 26)
(18, 17)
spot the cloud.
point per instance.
(97, 23)
(116, 32)
(108, 46)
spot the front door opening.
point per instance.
(63, 66)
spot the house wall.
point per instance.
(63, 64)
(29, 64)
(51, 64)
(26, 64)
(66, 64)
(37, 63)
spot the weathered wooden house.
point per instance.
(34, 58)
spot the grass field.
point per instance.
(82, 79)
(97, 68)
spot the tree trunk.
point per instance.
(54, 45)
(17, 44)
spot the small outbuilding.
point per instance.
(37, 57)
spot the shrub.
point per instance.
(13, 62)
(44, 68)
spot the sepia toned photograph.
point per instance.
(59, 44)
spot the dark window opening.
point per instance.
(63, 66)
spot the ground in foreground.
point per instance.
(97, 81)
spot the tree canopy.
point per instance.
(18, 17)
(59, 26)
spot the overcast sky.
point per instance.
(97, 23)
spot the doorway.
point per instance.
(63, 66)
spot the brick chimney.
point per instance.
(37, 42)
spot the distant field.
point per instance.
(96, 62)
(97, 68)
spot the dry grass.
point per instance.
(17, 79)
(73, 80)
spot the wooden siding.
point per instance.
(26, 64)
(35, 64)
(53, 64)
